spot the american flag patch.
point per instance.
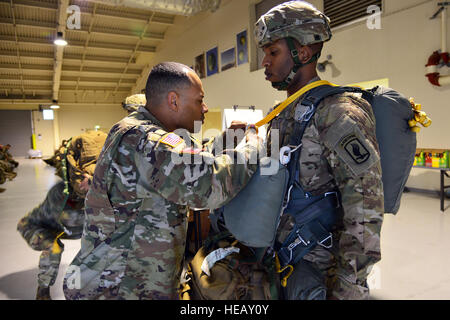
(171, 139)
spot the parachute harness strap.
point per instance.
(291, 99)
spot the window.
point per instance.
(47, 114)
(344, 11)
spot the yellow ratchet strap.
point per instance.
(279, 270)
(292, 98)
(56, 248)
(419, 117)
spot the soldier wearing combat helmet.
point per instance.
(292, 36)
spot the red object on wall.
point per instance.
(435, 60)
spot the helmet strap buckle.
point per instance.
(294, 53)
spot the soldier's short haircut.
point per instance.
(163, 78)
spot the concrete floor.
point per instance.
(415, 244)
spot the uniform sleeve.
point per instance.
(188, 175)
(353, 155)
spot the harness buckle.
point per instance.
(326, 246)
(308, 114)
(297, 241)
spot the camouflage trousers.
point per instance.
(341, 271)
(41, 226)
(349, 283)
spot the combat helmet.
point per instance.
(133, 102)
(297, 20)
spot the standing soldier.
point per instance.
(134, 237)
(61, 215)
(292, 35)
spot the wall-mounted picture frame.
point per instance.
(228, 59)
(242, 47)
(212, 61)
(199, 66)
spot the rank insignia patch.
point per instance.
(171, 139)
(355, 148)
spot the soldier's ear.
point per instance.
(172, 101)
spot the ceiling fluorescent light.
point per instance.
(59, 41)
(54, 105)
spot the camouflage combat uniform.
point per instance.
(40, 227)
(7, 170)
(326, 163)
(63, 208)
(136, 210)
(6, 156)
(7, 165)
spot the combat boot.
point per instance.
(43, 293)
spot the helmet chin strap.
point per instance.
(283, 85)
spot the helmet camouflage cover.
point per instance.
(297, 19)
(132, 103)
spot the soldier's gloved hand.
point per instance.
(252, 133)
(236, 124)
(86, 183)
(231, 137)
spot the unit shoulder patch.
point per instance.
(355, 148)
(171, 139)
(350, 144)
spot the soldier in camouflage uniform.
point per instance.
(325, 163)
(61, 214)
(7, 165)
(134, 238)
(6, 156)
